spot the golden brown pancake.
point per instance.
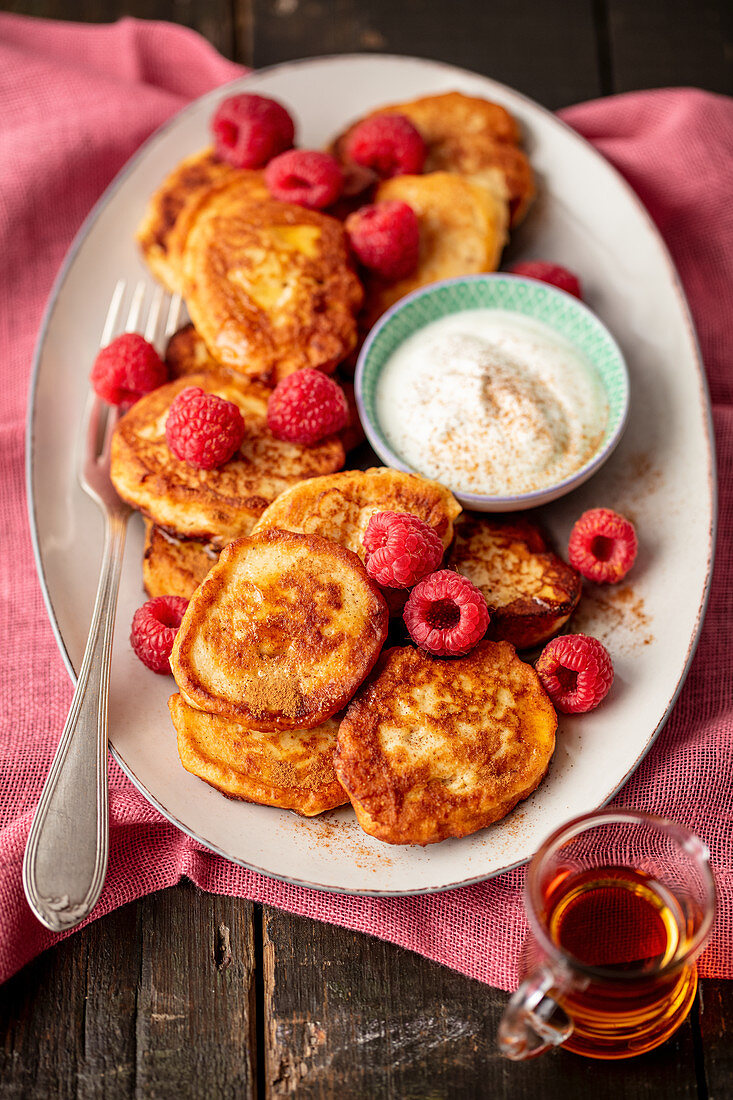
(269, 286)
(432, 748)
(281, 632)
(530, 591)
(462, 232)
(187, 354)
(468, 135)
(339, 506)
(173, 566)
(213, 505)
(292, 769)
(190, 179)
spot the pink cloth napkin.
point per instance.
(75, 102)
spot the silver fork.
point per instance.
(66, 856)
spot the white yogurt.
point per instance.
(490, 401)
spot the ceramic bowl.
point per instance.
(560, 311)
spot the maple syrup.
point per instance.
(624, 929)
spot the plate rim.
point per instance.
(705, 402)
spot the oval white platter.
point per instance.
(661, 476)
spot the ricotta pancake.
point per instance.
(269, 286)
(292, 769)
(339, 506)
(463, 229)
(192, 178)
(530, 592)
(433, 748)
(187, 354)
(281, 632)
(213, 505)
(468, 135)
(173, 566)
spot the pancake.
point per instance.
(281, 632)
(213, 505)
(172, 566)
(433, 748)
(292, 769)
(463, 229)
(530, 592)
(191, 178)
(187, 354)
(269, 286)
(339, 506)
(468, 135)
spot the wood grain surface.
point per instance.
(187, 995)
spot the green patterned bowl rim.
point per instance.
(561, 311)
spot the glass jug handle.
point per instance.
(533, 1022)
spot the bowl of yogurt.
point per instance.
(508, 391)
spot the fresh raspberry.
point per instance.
(126, 369)
(602, 546)
(546, 272)
(154, 629)
(249, 130)
(446, 614)
(305, 177)
(385, 237)
(400, 549)
(389, 144)
(202, 429)
(576, 672)
(306, 406)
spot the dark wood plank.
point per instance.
(547, 50)
(658, 43)
(716, 1028)
(196, 996)
(144, 1002)
(67, 1021)
(214, 19)
(349, 1016)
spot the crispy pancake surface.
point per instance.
(463, 229)
(214, 505)
(281, 632)
(529, 590)
(468, 135)
(339, 506)
(292, 769)
(187, 353)
(192, 178)
(173, 566)
(269, 286)
(433, 748)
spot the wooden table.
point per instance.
(183, 994)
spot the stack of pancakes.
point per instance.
(285, 694)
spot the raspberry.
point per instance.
(400, 549)
(305, 177)
(385, 237)
(446, 614)
(389, 144)
(249, 130)
(306, 406)
(546, 272)
(154, 629)
(576, 672)
(202, 429)
(602, 546)
(126, 369)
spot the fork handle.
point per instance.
(66, 856)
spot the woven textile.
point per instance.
(75, 103)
